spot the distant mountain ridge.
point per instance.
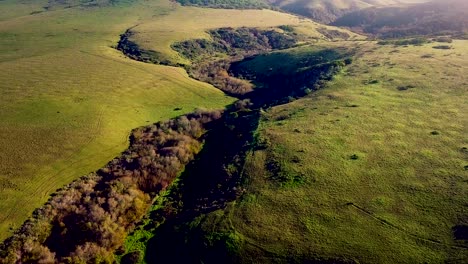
(448, 17)
(327, 11)
(323, 11)
(381, 18)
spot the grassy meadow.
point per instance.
(69, 100)
(370, 169)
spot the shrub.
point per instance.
(405, 87)
(444, 39)
(281, 175)
(446, 47)
(229, 241)
(307, 91)
(405, 42)
(287, 28)
(134, 257)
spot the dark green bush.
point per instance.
(446, 47)
(405, 42)
(405, 87)
(287, 28)
(134, 257)
(444, 39)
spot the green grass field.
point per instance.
(68, 100)
(374, 165)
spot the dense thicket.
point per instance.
(235, 41)
(433, 18)
(89, 219)
(207, 185)
(236, 44)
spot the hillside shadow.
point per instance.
(207, 184)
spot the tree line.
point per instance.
(236, 43)
(86, 221)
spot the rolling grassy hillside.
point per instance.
(69, 100)
(371, 169)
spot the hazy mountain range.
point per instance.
(433, 18)
(327, 11)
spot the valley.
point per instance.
(237, 133)
(338, 176)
